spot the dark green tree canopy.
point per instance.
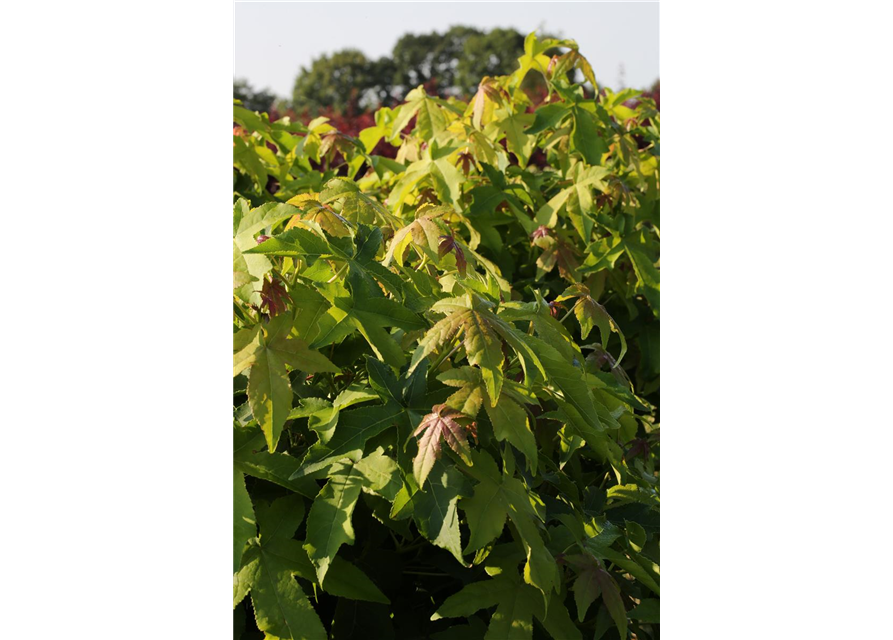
(451, 63)
(252, 99)
(346, 79)
(494, 53)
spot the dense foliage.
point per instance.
(446, 371)
(449, 63)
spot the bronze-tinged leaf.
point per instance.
(556, 251)
(448, 244)
(593, 581)
(591, 314)
(274, 296)
(637, 447)
(540, 233)
(439, 424)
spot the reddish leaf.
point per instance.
(447, 244)
(555, 309)
(593, 581)
(640, 447)
(542, 231)
(440, 423)
(274, 296)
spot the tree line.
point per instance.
(451, 63)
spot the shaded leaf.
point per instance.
(244, 525)
(329, 522)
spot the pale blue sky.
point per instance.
(274, 39)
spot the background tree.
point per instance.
(346, 80)
(251, 99)
(418, 59)
(448, 64)
(494, 53)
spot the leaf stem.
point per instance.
(570, 311)
(446, 354)
(337, 273)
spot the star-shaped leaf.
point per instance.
(508, 417)
(434, 510)
(593, 581)
(590, 313)
(269, 389)
(271, 560)
(354, 428)
(483, 332)
(438, 425)
(329, 523)
(497, 496)
(281, 608)
(244, 526)
(410, 393)
(516, 605)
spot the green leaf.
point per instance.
(516, 605)
(246, 344)
(593, 581)
(484, 349)
(259, 219)
(636, 535)
(297, 242)
(484, 332)
(611, 596)
(496, 496)
(430, 121)
(648, 611)
(547, 117)
(590, 313)
(383, 380)
(590, 177)
(329, 523)
(469, 398)
(280, 607)
(572, 392)
(519, 142)
(278, 522)
(244, 524)
(343, 579)
(633, 493)
(485, 513)
(510, 423)
(310, 307)
(269, 389)
(371, 315)
(354, 428)
(269, 394)
(250, 459)
(434, 509)
(647, 274)
(585, 137)
(558, 622)
(630, 566)
(484, 200)
(380, 474)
